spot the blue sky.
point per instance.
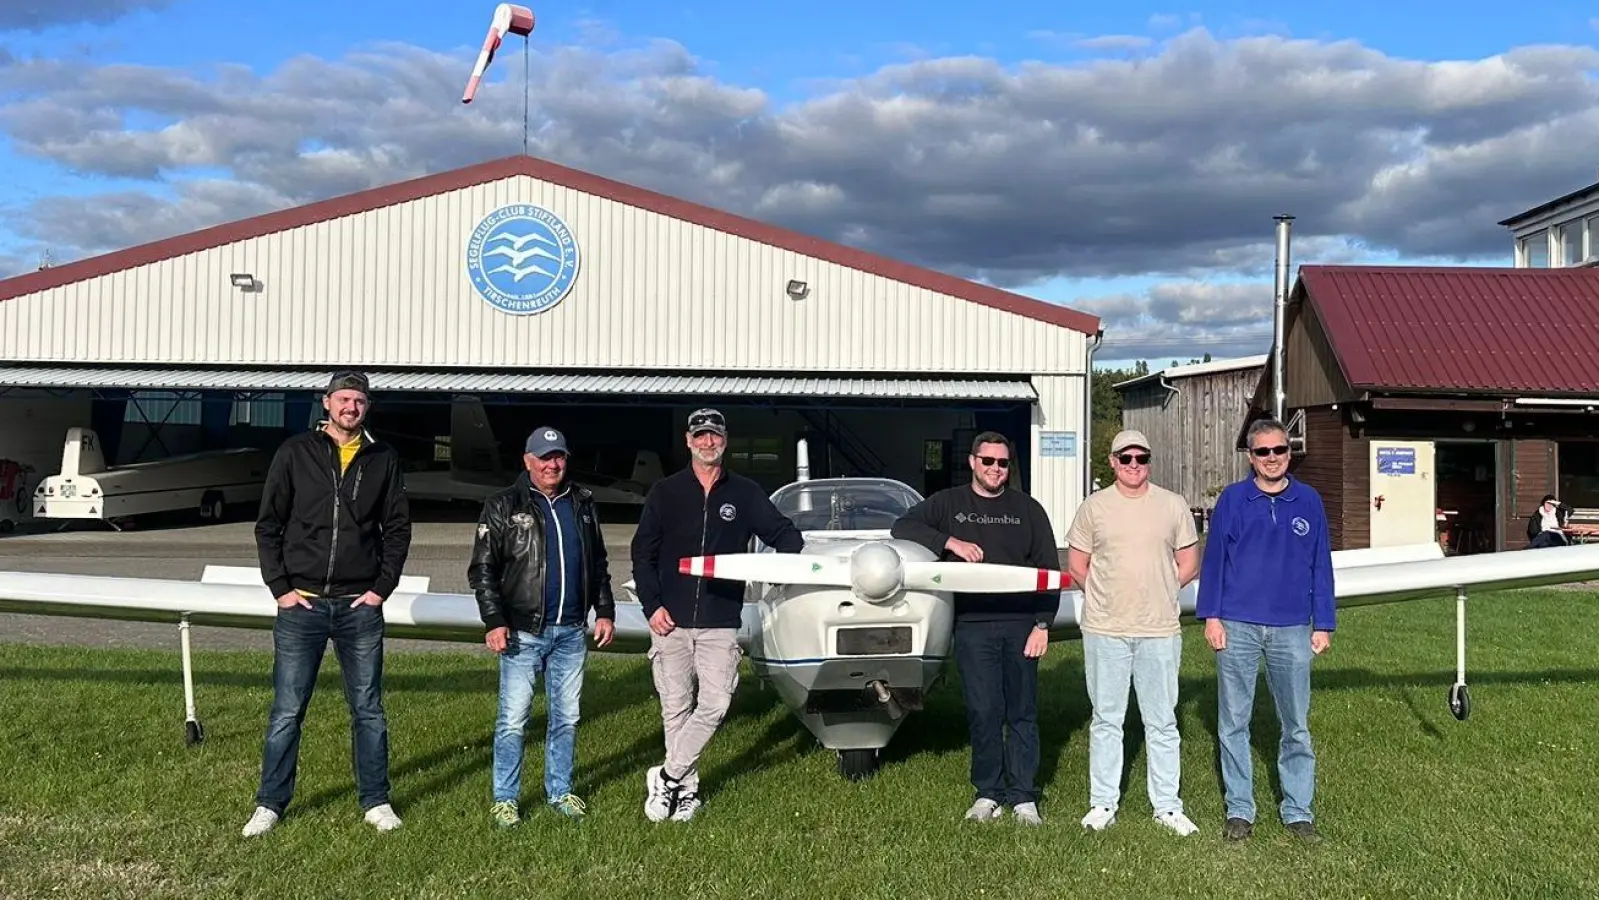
(804, 59)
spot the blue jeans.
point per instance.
(1287, 654)
(1000, 686)
(560, 654)
(1149, 665)
(299, 641)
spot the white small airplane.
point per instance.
(853, 632)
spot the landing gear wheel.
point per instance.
(857, 765)
(212, 507)
(1460, 702)
(193, 733)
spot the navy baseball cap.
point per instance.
(546, 440)
(707, 420)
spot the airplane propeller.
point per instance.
(874, 571)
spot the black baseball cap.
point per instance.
(707, 420)
(349, 381)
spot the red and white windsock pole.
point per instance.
(508, 19)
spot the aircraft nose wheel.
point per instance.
(857, 765)
(1460, 702)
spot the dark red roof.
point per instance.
(494, 170)
(1460, 329)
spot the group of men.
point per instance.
(1132, 547)
(334, 533)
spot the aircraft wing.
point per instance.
(1360, 578)
(1393, 575)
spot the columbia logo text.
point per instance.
(974, 519)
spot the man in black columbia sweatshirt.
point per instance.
(998, 637)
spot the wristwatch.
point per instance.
(1040, 626)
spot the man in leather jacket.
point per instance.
(538, 567)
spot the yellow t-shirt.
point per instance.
(1132, 577)
(346, 454)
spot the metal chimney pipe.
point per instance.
(1279, 310)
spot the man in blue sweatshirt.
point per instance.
(1266, 590)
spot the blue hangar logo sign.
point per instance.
(522, 259)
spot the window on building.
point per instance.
(162, 408)
(1569, 237)
(755, 456)
(1579, 474)
(1535, 251)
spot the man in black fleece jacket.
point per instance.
(998, 637)
(702, 510)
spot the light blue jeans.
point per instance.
(560, 654)
(1149, 665)
(1287, 654)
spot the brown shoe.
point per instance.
(1305, 831)
(1237, 829)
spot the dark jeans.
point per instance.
(1000, 686)
(299, 641)
(1547, 539)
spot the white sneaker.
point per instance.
(1177, 822)
(261, 822)
(1099, 818)
(688, 802)
(1027, 814)
(984, 810)
(657, 796)
(383, 818)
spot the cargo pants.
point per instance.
(686, 656)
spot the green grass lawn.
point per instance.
(99, 797)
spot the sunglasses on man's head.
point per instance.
(1128, 459)
(1000, 461)
(1278, 450)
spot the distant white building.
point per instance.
(1563, 232)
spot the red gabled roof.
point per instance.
(494, 170)
(1460, 329)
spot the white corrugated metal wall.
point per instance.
(390, 287)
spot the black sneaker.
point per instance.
(1305, 831)
(1237, 829)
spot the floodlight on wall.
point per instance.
(798, 290)
(245, 281)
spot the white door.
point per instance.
(1403, 493)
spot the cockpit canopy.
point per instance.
(845, 504)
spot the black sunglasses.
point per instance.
(1000, 461)
(1278, 450)
(1128, 459)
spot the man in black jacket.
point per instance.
(998, 637)
(699, 511)
(332, 535)
(538, 567)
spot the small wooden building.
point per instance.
(1190, 413)
(1446, 398)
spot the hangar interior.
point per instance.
(615, 439)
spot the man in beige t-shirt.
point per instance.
(1132, 546)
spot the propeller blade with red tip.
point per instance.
(965, 577)
(770, 568)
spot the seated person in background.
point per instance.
(1546, 526)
